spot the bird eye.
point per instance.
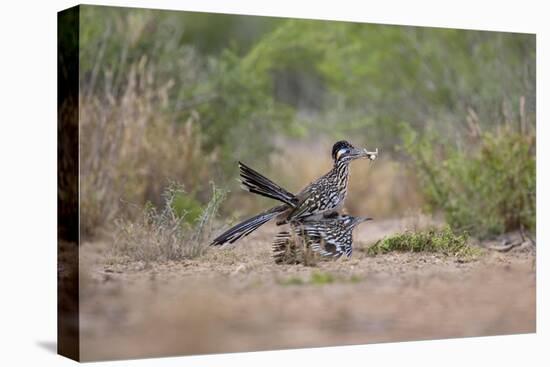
(340, 152)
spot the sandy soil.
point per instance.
(236, 299)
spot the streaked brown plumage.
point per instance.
(320, 198)
(329, 237)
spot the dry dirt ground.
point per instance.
(236, 299)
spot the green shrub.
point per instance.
(442, 241)
(185, 205)
(164, 234)
(485, 189)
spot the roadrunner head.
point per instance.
(343, 151)
(350, 221)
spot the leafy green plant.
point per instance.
(485, 189)
(185, 205)
(442, 241)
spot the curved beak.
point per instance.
(357, 153)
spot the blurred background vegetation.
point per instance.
(181, 96)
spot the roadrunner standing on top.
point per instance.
(322, 197)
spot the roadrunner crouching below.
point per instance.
(329, 237)
(323, 196)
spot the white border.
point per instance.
(28, 180)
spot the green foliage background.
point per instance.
(248, 81)
(267, 75)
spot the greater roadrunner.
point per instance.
(329, 237)
(321, 197)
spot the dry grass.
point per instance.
(131, 148)
(163, 235)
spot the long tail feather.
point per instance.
(248, 226)
(259, 184)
